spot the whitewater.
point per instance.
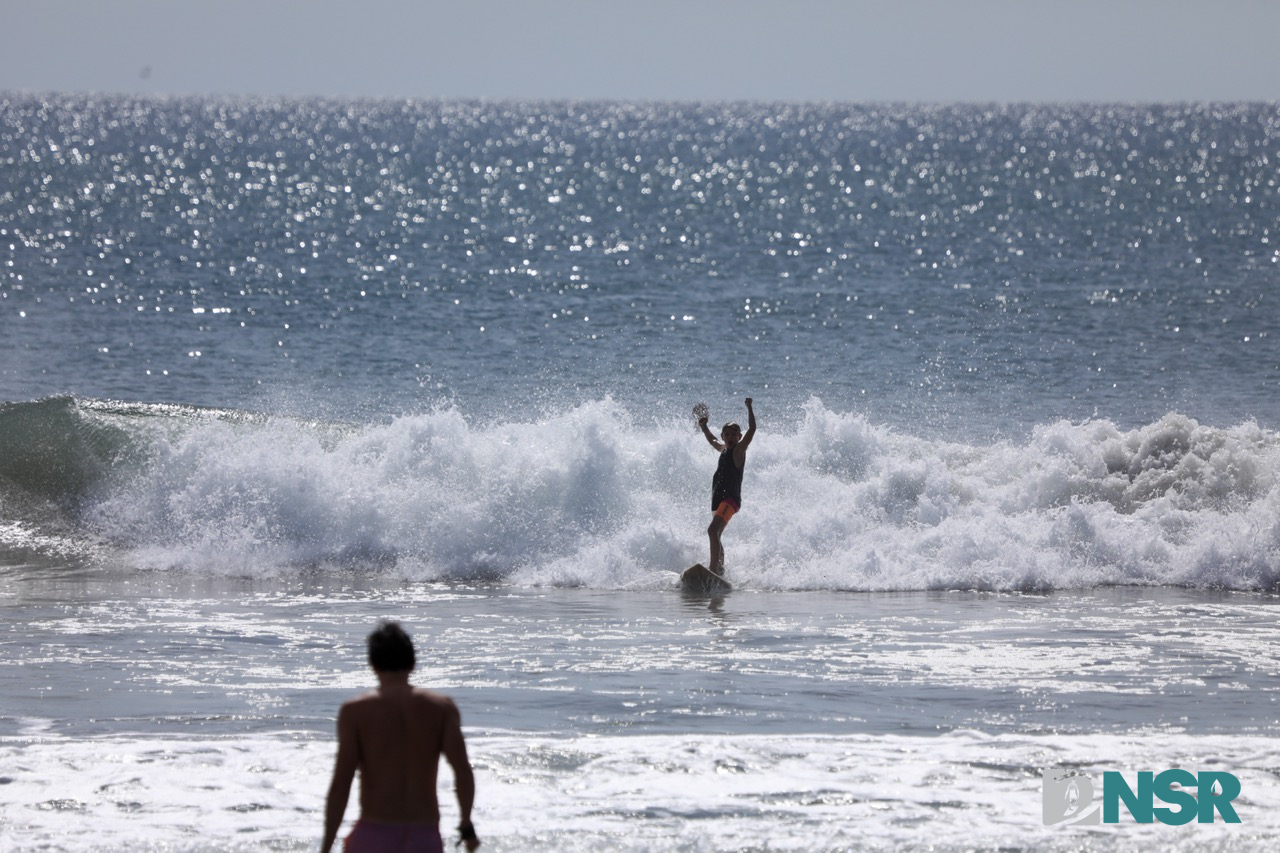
(592, 497)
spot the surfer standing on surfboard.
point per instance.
(726, 485)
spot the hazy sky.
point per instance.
(795, 50)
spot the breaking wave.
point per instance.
(594, 496)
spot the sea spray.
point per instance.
(593, 496)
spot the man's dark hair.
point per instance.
(390, 649)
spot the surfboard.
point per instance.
(698, 578)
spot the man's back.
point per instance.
(400, 733)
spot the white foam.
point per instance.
(959, 791)
(592, 496)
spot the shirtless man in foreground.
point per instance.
(395, 737)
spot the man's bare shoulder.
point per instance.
(434, 699)
(432, 695)
(374, 699)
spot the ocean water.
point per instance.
(270, 371)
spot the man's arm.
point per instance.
(702, 422)
(455, 752)
(741, 449)
(344, 770)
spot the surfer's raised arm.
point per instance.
(751, 431)
(711, 437)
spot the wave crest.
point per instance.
(591, 496)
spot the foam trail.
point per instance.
(963, 790)
(591, 496)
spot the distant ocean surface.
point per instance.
(271, 370)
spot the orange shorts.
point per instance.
(725, 511)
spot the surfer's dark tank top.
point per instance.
(726, 485)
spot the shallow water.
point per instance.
(233, 656)
(639, 719)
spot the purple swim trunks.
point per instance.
(369, 837)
